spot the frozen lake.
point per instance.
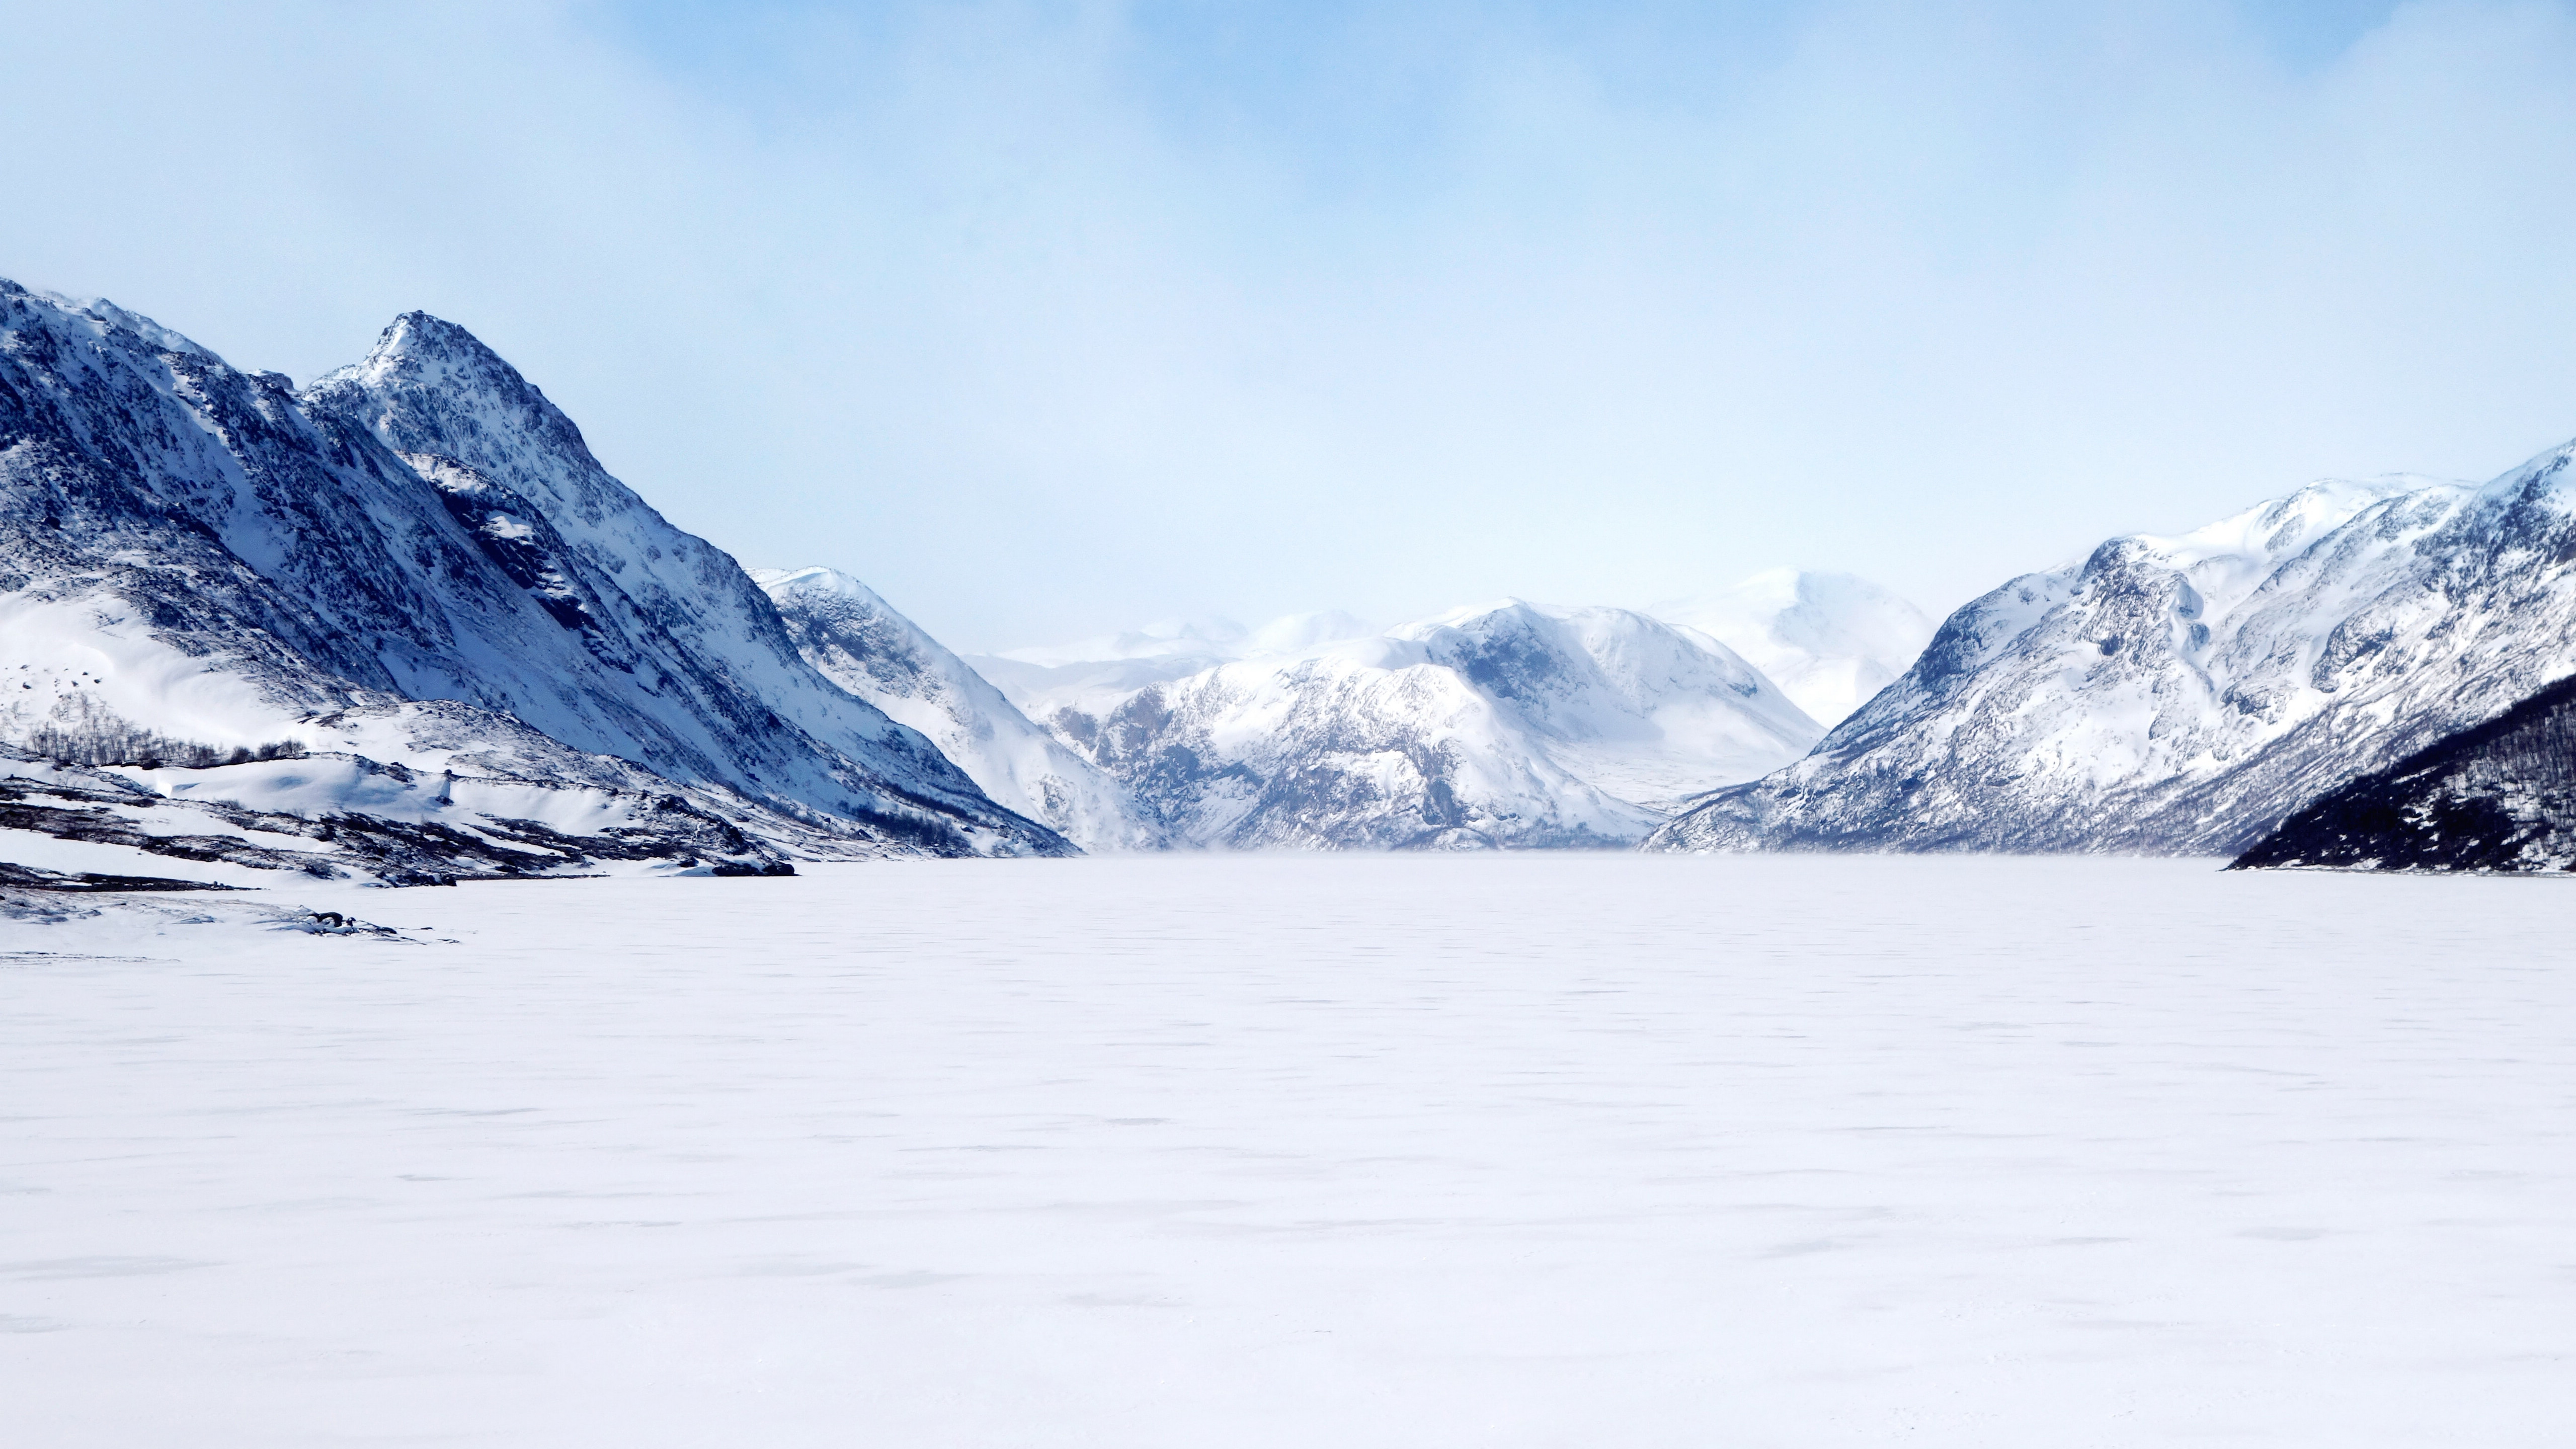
(1318, 1151)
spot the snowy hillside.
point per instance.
(210, 555)
(1830, 641)
(861, 644)
(2185, 694)
(1509, 725)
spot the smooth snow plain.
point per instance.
(1340, 1150)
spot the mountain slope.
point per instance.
(858, 641)
(206, 553)
(1830, 641)
(2178, 695)
(2500, 796)
(1504, 726)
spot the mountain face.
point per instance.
(2497, 797)
(856, 640)
(1830, 641)
(1506, 726)
(416, 560)
(2184, 695)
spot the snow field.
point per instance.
(1320, 1150)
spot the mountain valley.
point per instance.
(408, 599)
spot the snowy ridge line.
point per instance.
(2182, 695)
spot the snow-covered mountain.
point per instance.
(416, 560)
(1830, 641)
(860, 643)
(1506, 725)
(2500, 796)
(2185, 694)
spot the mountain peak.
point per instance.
(422, 347)
(431, 386)
(812, 577)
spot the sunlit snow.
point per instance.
(1322, 1150)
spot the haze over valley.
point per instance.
(1130, 723)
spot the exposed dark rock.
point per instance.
(29, 878)
(2500, 796)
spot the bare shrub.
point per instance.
(106, 740)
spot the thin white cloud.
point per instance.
(1013, 312)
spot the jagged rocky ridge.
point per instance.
(1507, 726)
(2184, 695)
(2500, 796)
(416, 561)
(862, 644)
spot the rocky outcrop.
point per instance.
(2500, 796)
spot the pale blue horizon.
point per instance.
(1051, 319)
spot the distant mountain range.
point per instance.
(406, 598)
(1506, 725)
(1510, 724)
(401, 624)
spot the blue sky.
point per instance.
(1053, 318)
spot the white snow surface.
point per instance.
(1830, 641)
(1296, 1151)
(1506, 724)
(855, 639)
